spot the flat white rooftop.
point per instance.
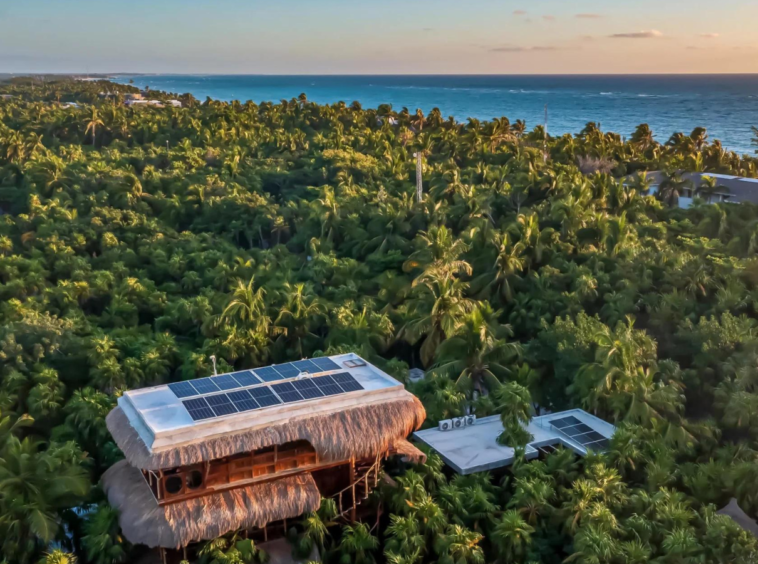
(163, 421)
(474, 448)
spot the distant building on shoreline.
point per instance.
(729, 188)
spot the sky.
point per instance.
(379, 37)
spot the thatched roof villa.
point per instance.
(244, 450)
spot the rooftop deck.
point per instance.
(162, 421)
(475, 448)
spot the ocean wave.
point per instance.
(522, 91)
(443, 88)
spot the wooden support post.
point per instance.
(353, 512)
(184, 553)
(163, 555)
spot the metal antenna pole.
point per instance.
(419, 178)
(544, 146)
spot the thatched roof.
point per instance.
(733, 510)
(362, 431)
(175, 525)
(409, 452)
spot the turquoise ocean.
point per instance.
(727, 105)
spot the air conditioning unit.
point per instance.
(470, 420)
(445, 425)
(459, 422)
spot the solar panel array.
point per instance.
(245, 378)
(248, 399)
(581, 433)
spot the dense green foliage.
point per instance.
(135, 243)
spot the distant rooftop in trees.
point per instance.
(474, 448)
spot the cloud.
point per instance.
(548, 18)
(589, 16)
(518, 49)
(651, 34)
(519, 13)
(709, 35)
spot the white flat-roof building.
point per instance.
(474, 448)
(731, 189)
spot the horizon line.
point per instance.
(121, 73)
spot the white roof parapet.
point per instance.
(474, 448)
(162, 421)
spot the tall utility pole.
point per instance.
(544, 146)
(419, 178)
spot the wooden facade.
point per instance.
(187, 482)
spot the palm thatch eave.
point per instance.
(359, 432)
(143, 521)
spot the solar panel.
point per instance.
(205, 386)
(599, 445)
(221, 405)
(183, 389)
(565, 422)
(306, 366)
(347, 382)
(327, 385)
(264, 396)
(243, 401)
(576, 430)
(198, 409)
(307, 389)
(267, 374)
(286, 370)
(593, 436)
(286, 391)
(325, 363)
(246, 378)
(225, 382)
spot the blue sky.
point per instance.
(362, 37)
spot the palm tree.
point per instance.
(439, 254)
(58, 557)
(404, 536)
(672, 188)
(302, 310)
(434, 313)
(459, 546)
(102, 538)
(92, 123)
(248, 306)
(708, 187)
(477, 352)
(34, 486)
(515, 406)
(357, 545)
(316, 528)
(512, 536)
(509, 263)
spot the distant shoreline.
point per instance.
(727, 105)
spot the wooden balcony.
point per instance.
(177, 484)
